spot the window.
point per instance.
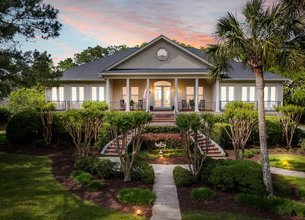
(134, 93)
(200, 93)
(189, 93)
(270, 97)
(98, 93)
(248, 93)
(226, 95)
(57, 96)
(77, 96)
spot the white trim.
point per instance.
(196, 95)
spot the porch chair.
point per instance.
(202, 104)
(184, 105)
(140, 105)
(122, 104)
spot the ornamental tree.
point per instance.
(242, 118)
(289, 116)
(47, 117)
(126, 129)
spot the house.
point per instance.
(162, 75)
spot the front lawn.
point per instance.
(287, 161)
(216, 216)
(29, 191)
(297, 184)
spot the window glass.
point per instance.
(244, 93)
(81, 94)
(94, 93)
(231, 93)
(189, 93)
(54, 94)
(101, 93)
(200, 93)
(248, 93)
(252, 93)
(74, 94)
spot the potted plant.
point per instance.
(192, 104)
(131, 103)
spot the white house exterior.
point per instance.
(160, 76)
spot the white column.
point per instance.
(196, 95)
(147, 95)
(127, 95)
(107, 97)
(176, 97)
(217, 97)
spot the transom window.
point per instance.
(248, 93)
(98, 93)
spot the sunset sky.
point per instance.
(131, 22)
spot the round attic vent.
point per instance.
(162, 54)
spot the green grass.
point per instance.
(217, 216)
(202, 193)
(136, 196)
(287, 161)
(153, 154)
(29, 191)
(289, 181)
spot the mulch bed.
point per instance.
(223, 202)
(62, 167)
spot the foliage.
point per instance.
(296, 186)
(182, 176)
(275, 204)
(287, 161)
(143, 171)
(161, 129)
(83, 126)
(242, 176)
(82, 177)
(24, 127)
(217, 215)
(28, 193)
(208, 165)
(95, 105)
(136, 196)
(220, 136)
(202, 193)
(248, 153)
(26, 99)
(242, 118)
(4, 115)
(104, 136)
(47, 117)
(94, 186)
(289, 116)
(166, 153)
(169, 139)
(120, 123)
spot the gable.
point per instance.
(147, 58)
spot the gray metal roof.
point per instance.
(92, 70)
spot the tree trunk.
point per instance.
(262, 129)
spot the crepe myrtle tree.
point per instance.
(47, 118)
(126, 130)
(266, 37)
(81, 126)
(190, 126)
(242, 118)
(289, 116)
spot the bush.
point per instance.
(60, 134)
(275, 204)
(239, 175)
(202, 193)
(250, 152)
(208, 165)
(104, 136)
(161, 129)
(85, 164)
(143, 171)
(220, 136)
(282, 190)
(136, 196)
(94, 186)
(24, 127)
(182, 176)
(82, 177)
(39, 143)
(4, 115)
(172, 140)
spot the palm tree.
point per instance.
(268, 36)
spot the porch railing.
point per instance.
(269, 105)
(202, 106)
(121, 106)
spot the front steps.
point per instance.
(163, 117)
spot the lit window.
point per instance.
(248, 93)
(57, 94)
(134, 93)
(270, 97)
(226, 95)
(77, 93)
(98, 93)
(200, 93)
(189, 93)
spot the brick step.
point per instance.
(214, 155)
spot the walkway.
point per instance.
(166, 206)
(285, 172)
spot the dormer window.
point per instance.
(162, 54)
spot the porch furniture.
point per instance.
(184, 105)
(202, 104)
(140, 105)
(122, 104)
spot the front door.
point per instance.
(162, 95)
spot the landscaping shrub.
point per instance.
(94, 186)
(282, 190)
(182, 176)
(85, 164)
(208, 165)
(275, 204)
(104, 136)
(60, 134)
(202, 193)
(171, 140)
(161, 129)
(24, 127)
(220, 136)
(4, 115)
(82, 177)
(143, 171)
(250, 152)
(242, 176)
(136, 196)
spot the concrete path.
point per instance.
(285, 172)
(166, 206)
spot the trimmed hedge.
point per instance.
(136, 196)
(182, 176)
(82, 177)
(220, 136)
(94, 186)
(208, 165)
(202, 193)
(4, 115)
(24, 128)
(239, 175)
(161, 129)
(143, 171)
(275, 204)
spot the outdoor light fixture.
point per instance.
(139, 212)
